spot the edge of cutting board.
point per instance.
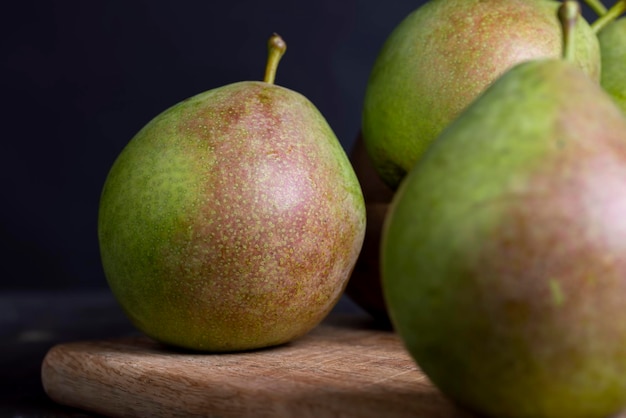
(345, 367)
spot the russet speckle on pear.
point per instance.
(441, 57)
(232, 220)
(504, 255)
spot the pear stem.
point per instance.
(569, 12)
(276, 48)
(613, 13)
(596, 6)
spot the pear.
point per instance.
(504, 251)
(613, 52)
(364, 287)
(440, 57)
(232, 220)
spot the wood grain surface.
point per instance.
(343, 368)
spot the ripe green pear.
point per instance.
(613, 52)
(232, 220)
(504, 252)
(440, 57)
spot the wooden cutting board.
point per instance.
(343, 368)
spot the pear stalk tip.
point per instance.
(569, 12)
(276, 48)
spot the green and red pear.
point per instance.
(232, 220)
(441, 57)
(504, 251)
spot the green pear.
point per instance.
(232, 220)
(613, 52)
(504, 252)
(440, 57)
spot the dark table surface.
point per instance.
(33, 322)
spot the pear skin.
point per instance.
(613, 52)
(231, 221)
(441, 57)
(504, 252)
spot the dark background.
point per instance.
(80, 78)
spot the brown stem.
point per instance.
(569, 13)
